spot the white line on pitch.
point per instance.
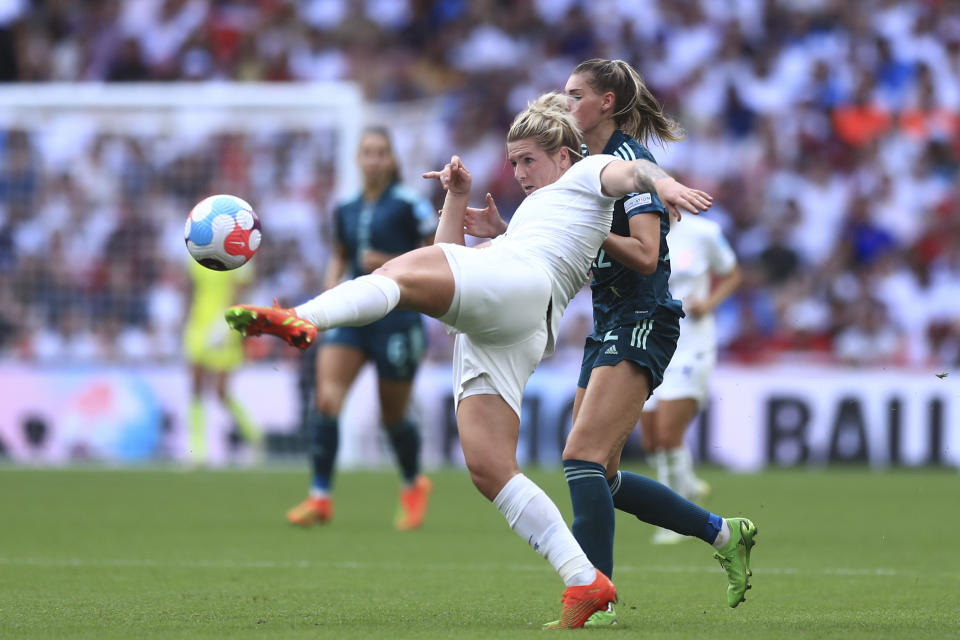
(388, 566)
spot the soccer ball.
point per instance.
(222, 232)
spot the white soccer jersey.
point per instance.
(698, 250)
(561, 227)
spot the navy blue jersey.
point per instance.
(396, 223)
(622, 296)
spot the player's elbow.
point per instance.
(647, 269)
(646, 263)
(642, 262)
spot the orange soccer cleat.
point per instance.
(413, 504)
(251, 320)
(581, 602)
(311, 511)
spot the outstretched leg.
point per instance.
(659, 505)
(420, 280)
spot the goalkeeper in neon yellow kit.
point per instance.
(213, 352)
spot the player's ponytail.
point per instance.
(636, 111)
(549, 123)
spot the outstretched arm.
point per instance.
(622, 177)
(455, 178)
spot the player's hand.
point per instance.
(454, 177)
(485, 222)
(695, 308)
(679, 198)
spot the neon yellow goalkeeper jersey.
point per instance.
(208, 341)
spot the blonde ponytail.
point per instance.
(636, 111)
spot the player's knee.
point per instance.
(479, 477)
(329, 403)
(580, 447)
(489, 479)
(406, 280)
(652, 443)
(483, 484)
(587, 454)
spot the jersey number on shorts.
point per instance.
(404, 349)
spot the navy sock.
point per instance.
(324, 439)
(405, 440)
(659, 505)
(593, 516)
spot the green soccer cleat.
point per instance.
(735, 558)
(603, 618)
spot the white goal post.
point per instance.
(71, 110)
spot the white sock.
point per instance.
(536, 519)
(680, 463)
(353, 303)
(318, 493)
(723, 537)
(662, 465)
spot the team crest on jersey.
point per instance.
(637, 201)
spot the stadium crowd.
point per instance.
(827, 130)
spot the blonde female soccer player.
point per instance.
(504, 299)
(636, 327)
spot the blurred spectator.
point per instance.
(829, 132)
(863, 241)
(869, 340)
(863, 121)
(129, 65)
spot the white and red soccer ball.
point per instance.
(222, 232)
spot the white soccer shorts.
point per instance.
(687, 376)
(501, 319)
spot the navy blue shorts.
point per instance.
(650, 343)
(396, 343)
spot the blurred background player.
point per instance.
(213, 353)
(386, 219)
(704, 273)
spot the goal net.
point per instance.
(95, 185)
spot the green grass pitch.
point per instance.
(165, 554)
